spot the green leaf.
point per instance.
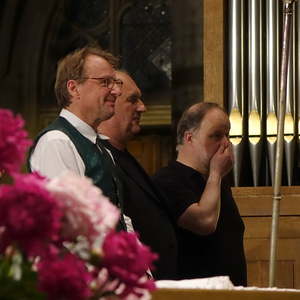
(23, 289)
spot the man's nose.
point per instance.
(141, 106)
(116, 90)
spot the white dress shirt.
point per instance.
(55, 152)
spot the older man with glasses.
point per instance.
(86, 90)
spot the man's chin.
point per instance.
(132, 131)
(107, 115)
(136, 130)
(135, 125)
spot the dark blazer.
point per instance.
(143, 204)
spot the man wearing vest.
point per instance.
(86, 90)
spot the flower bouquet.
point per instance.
(57, 237)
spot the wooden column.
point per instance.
(213, 51)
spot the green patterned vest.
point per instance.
(99, 169)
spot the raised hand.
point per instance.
(222, 161)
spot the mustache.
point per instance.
(137, 116)
(111, 98)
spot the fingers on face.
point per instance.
(222, 148)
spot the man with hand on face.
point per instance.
(209, 227)
(86, 89)
(143, 202)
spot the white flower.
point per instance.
(87, 211)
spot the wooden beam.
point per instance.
(213, 51)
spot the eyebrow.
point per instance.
(135, 95)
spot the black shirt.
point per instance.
(144, 204)
(220, 253)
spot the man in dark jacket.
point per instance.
(142, 200)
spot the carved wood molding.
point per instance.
(157, 115)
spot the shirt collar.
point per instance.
(86, 130)
(103, 137)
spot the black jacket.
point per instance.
(143, 204)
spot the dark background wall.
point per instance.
(159, 42)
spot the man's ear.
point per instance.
(188, 135)
(72, 87)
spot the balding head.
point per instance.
(192, 117)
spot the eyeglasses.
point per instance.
(107, 82)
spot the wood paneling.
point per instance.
(255, 205)
(152, 151)
(258, 201)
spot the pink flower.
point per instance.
(104, 284)
(29, 215)
(87, 211)
(13, 142)
(64, 278)
(127, 259)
